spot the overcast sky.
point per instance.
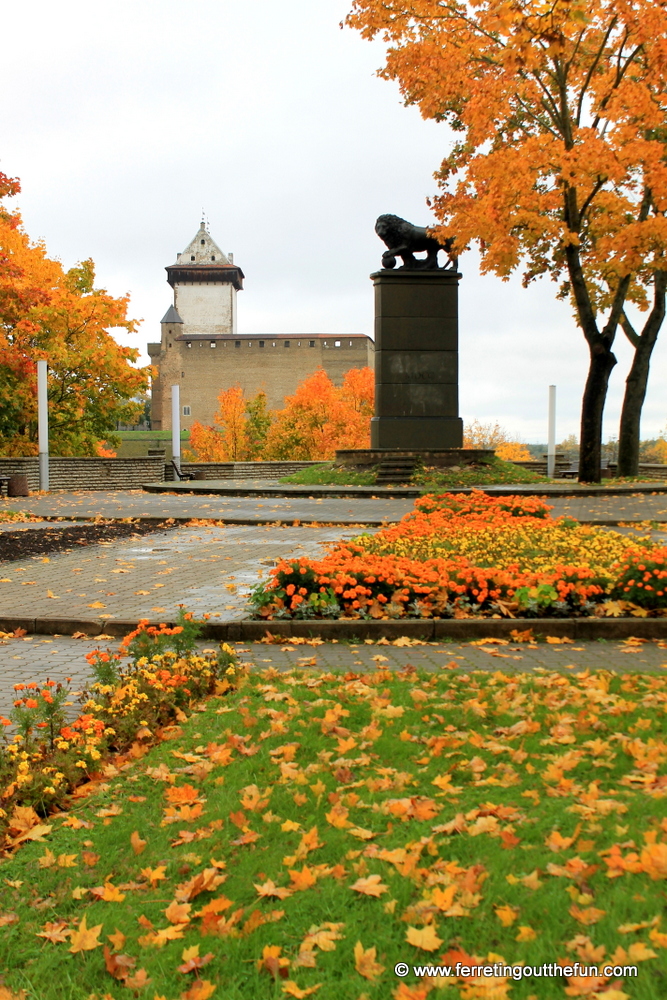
(124, 119)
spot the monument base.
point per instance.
(416, 433)
(441, 458)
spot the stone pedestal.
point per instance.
(416, 361)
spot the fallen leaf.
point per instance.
(506, 914)
(365, 962)
(138, 845)
(293, 990)
(192, 961)
(85, 938)
(370, 886)
(425, 938)
(57, 932)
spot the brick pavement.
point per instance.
(34, 658)
(207, 569)
(344, 510)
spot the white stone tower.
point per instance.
(205, 282)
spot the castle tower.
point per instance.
(205, 282)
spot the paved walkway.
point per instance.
(207, 569)
(36, 659)
(255, 510)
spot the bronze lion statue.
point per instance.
(405, 240)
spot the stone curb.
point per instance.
(456, 630)
(399, 492)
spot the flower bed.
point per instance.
(477, 555)
(129, 705)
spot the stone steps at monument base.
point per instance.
(398, 470)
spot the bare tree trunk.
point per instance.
(637, 380)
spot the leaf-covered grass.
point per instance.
(495, 473)
(292, 827)
(328, 474)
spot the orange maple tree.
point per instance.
(319, 418)
(56, 315)
(559, 167)
(239, 432)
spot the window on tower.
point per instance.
(202, 242)
(237, 343)
(261, 343)
(311, 343)
(186, 411)
(188, 344)
(213, 257)
(212, 343)
(287, 343)
(192, 257)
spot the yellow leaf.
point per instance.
(67, 860)
(85, 938)
(50, 593)
(525, 933)
(365, 962)
(587, 916)
(97, 604)
(117, 940)
(506, 914)
(138, 845)
(425, 938)
(47, 860)
(269, 890)
(370, 886)
(292, 990)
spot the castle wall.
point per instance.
(203, 371)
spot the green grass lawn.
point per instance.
(328, 474)
(495, 473)
(284, 832)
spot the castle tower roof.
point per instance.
(203, 260)
(202, 249)
(171, 316)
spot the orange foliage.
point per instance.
(559, 163)
(315, 421)
(57, 315)
(479, 435)
(319, 417)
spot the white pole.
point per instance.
(176, 425)
(43, 426)
(551, 446)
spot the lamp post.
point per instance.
(176, 425)
(43, 426)
(551, 442)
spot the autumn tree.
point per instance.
(239, 432)
(560, 167)
(319, 417)
(56, 315)
(492, 436)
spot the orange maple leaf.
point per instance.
(85, 938)
(425, 938)
(506, 914)
(56, 932)
(372, 885)
(589, 915)
(178, 913)
(269, 890)
(138, 845)
(293, 990)
(365, 962)
(193, 961)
